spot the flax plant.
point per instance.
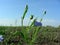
(24, 33)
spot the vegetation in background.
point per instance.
(47, 34)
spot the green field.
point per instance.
(47, 35)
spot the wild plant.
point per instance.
(26, 33)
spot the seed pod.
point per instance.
(31, 17)
(44, 12)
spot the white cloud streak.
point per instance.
(51, 22)
(13, 22)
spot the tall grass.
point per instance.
(25, 34)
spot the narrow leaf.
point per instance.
(26, 9)
(41, 20)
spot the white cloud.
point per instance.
(51, 22)
(6, 22)
(13, 22)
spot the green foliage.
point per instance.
(25, 33)
(2, 32)
(32, 24)
(49, 33)
(24, 14)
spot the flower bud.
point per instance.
(31, 17)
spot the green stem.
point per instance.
(34, 36)
(21, 21)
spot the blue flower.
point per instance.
(1, 38)
(37, 23)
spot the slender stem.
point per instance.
(34, 36)
(21, 21)
(29, 22)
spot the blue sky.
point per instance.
(12, 10)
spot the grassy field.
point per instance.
(47, 35)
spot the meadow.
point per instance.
(47, 35)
